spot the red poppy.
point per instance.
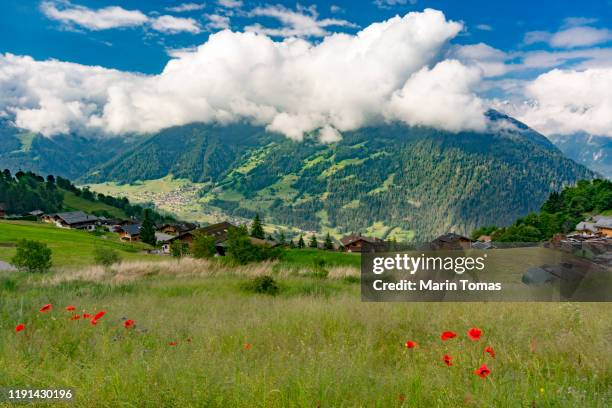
(447, 335)
(99, 315)
(448, 360)
(172, 343)
(75, 317)
(247, 346)
(410, 344)
(70, 308)
(128, 323)
(19, 327)
(490, 350)
(474, 333)
(94, 322)
(483, 371)
(401, 397)
(45, 308)
(86, 316)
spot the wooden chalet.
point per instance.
(360, 243)
(177, 229)
(603, 225)
(73, 219)
(217, 231)
(130, 232)
(451, 241)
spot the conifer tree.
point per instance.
(301, 243)
(328, 242)
(147, 229)
(257, 228)
(313, 242)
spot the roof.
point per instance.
(76, 217)
(604, 222)
(217, 231)
(484, 238)
(161, 237)
(182, 227)
(131, 229)
(586, 226)
(350, 239)
(452, 237)
(36, 212)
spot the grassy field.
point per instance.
(313, 344)
(72, 202)
(71, 248)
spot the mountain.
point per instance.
(64, 155)
(389, 180)
(595, 152)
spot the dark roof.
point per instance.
(76, 217)
(182, 227)
(452, 237)
(349, 239)
(217, 231)
(132, 229)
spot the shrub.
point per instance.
(178, 249)
(203, 246)
(106, 256)
(242, 251)
(262, 284)
(32, 256)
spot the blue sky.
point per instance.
(25, 30)
(116, 67)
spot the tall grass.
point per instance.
(314, 344)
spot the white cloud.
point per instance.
(301, 23)
(114, 17)
(484, 27)
(385, 4)
(336, 9)
(569, 101)
(491, 60)
(181, 8)
(293, 86)
(101, 19)
(217, 22)
(230, 3)
(172, 25)
(572, 37)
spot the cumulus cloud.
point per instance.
(173, 25)
(113, 17)
(184, 7)
(490, 60)
(392, 70)
(230, 3)
(304, 22)
(484, 27)
(101, 19)
(569, 101)
(217, 22)
(571, 36)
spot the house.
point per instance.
(360, 243)
(2, 210)
(130, 232)
(217, 231)
(586, 228)
(484, 238)
(177, 229)
(164, 240)
(73, 220)
(603, 225)
(36, 213)
(450, 241)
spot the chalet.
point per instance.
(603, 225)
(360, 243)
(450, 241)
(484, 238)
(177, 229)
(36, 213)
(2, 210)
(217, 231)
(73, 219)
(130, 232)
(586, 229)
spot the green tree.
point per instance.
(241, 250)
(105, 256)
(313, 242)
(301, 243)
(204, 246)
(147, 229)
(281, 239)
(32, 256)
(257, 228)
(329, 244)
(178, 248)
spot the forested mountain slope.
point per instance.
(391, 177)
